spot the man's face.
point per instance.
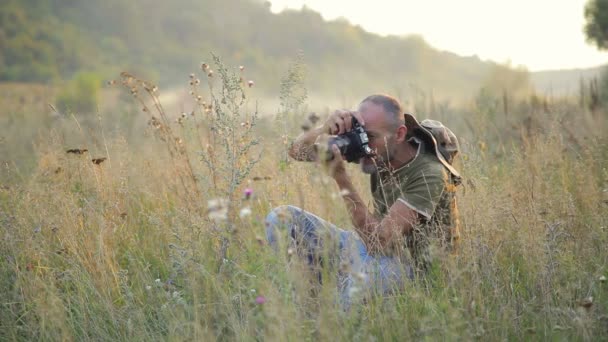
(382, 137)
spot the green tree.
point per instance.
(596, 27)
(596, 30)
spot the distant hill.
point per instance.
(49, 40)
(562, 82)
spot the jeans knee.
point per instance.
(280, 215)
(277, 218)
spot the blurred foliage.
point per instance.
(44, 40)
(81, 94)
(596, 30)
(596, 27)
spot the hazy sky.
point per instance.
(539, 34)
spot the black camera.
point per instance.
(353, 144)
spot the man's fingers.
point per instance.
(340, 123)
(336, 152)
(359, 118)
(348, 122)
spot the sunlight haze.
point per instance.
(540, 34)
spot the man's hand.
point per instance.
(335, 166)
(341, 121)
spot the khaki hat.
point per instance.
(443, 139)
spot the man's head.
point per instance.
(385, 127)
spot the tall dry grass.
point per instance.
(136, 248)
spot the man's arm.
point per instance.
(303, 148)
(379, 235)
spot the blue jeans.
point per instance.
(359, 271)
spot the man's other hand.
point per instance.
(335, 166)
(341, 121)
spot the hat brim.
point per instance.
(411, 123)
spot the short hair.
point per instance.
(390, 105)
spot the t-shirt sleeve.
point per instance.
(423, 191)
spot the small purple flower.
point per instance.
(260, 300)
(248, 192)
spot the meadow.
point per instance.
(164, 238)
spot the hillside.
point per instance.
(45, 41)
(562, 82)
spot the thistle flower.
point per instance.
(248, 192)
(260, 300)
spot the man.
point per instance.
(412, 183)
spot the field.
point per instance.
(136, 247)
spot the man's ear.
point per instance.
(401, 133)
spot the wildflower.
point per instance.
(241, 68)
(217, 209)
(192, 76)
(148, 287)
(260, 300)
(204, 66)
(602, 279)
(250, 83)
(157, 281)
(248, 192)
(252, 290)
(290, 251)
(245, 212)
(184, 114)
(210, 73)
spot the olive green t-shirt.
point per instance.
(426, 186)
